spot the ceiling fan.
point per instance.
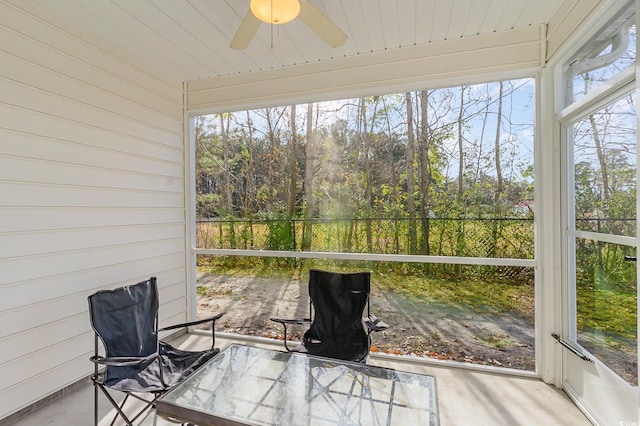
(282, 11)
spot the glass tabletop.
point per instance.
(247, 385)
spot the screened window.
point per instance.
(602, 58)
(601, 148)
(429, 190)
(440, 172)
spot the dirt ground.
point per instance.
(416, 327)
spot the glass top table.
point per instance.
(244, 385)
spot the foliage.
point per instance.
(357, 151)
(280, 235)
(206, 205)
(388, 235)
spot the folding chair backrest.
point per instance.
(339, 301)
(126, 319)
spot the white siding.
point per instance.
(91, 195)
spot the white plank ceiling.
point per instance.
(189, 39)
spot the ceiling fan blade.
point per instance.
(246, 31)
(323, 26)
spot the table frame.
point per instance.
(359, 391)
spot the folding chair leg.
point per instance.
(96, 417)
(117, 407)
(95, 404)
(148, 405)
(120, 412)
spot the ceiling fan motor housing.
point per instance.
(275, 11)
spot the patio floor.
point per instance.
(465, 396)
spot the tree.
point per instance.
(365, 136)
(368, 162)
(411, 208)
(460, 194)
(293, 165)
(425, 170)
(227, 201)
(500, 185)
(308, 180)
(497, 196)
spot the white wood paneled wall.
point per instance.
(471, 59)
(92, 195)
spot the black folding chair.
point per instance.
(135, 361)
(338, 329)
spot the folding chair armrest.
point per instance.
(121, 361)
(212, 320)
(373, 323)
(298, 321)
(295, 321)
(187, 324)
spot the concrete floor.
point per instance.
(465, 396)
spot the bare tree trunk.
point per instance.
(479, 155)
(308, 181)
(293, 176)
(497, 196)
(605, 182)
(391, 142)
(227, 201)
(460, 195)
(293, 169)
(250, 191)
(410, 176)
(271, 160)
(601, 158)
(425, 171)
(500, 184)
(461, 151)
(368, 172)
(599, 149)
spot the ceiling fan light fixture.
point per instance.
(275, 11)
